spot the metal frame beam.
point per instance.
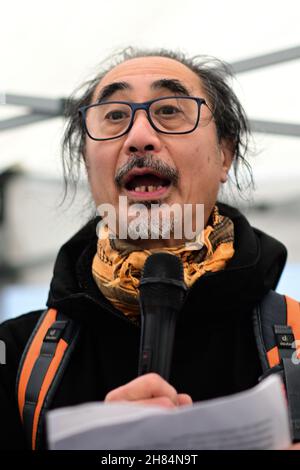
(39, 109)
(37, 104)
(266, 60)
(273, 127)
(24, 120)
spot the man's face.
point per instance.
(197, 162)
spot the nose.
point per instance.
(142, 137)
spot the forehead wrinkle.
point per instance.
(150, 67)
(171, 84)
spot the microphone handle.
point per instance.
(158, 331)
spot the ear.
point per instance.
(227, 155)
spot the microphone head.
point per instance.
(163, 266)
(162, 291)
(162, 282)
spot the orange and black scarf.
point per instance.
(117, 265)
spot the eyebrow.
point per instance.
(110, 89)
(171, 84)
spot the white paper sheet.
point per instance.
(254, 419)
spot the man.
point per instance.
(155, 128)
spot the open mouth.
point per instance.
(147, 184)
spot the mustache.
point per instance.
(147, 161)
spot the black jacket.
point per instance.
(214, 352)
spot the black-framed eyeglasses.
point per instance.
(169, 115)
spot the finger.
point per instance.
(147, 386)
(164, 402)
(184, 399)
(294, 447)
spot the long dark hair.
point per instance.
(229, 115)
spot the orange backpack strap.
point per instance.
(41, 368)
(277, 333)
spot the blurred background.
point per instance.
(49, 48)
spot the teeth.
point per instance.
(150, 188)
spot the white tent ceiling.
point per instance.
(49, 48)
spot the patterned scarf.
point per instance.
(117, 265)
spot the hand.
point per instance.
(149, 389)
(294, 447)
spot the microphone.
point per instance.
(162, 291)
